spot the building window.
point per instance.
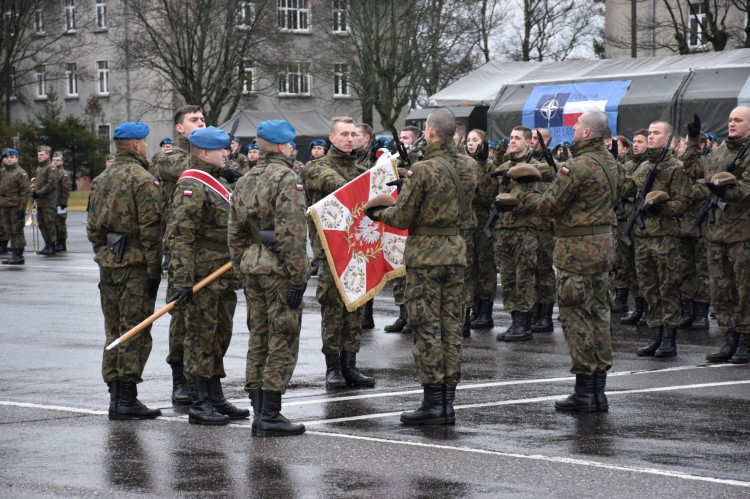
(295, 78)
(294, 15)
(246, 15)
(102, 71)
(340, 80)
(41, 82)
(105, 135)
(39, 22)
(72, 78)
(101, 15)
(247, 76)
(340, 23)
(10, 19)
(697, 23)
(70, 16)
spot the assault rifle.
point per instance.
(709, 207)
(619, 206)
(636, 216)
(546, 153)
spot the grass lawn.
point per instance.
(78, 200)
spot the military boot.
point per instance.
(60, 246)
(466, 329)
(544, 324)
(484, 320)
(114, 398)
(620, 305)
(523, 331)
(514, 325)
(256, 400)
(449, 395)
(727, 350)
(221, 404)
(475, 308)
(407, 329)
(536, 310)
(48, 250)
(432, 410)
(271, 422)
(202, 412)
(128, 405)
(656, 336)
(582, 399)
(644, 317)
(17, 258)
(334, 378)
(701, 315)
(633, 317)
(3, 247)
(668, 347)
(687, 314)
(398, 326)
(600, 382)
(183, 392)
(314, 266)
(352, 375)
(742, 355)
(367, 321)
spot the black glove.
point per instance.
(152, 286)
(694, 127)
(502, 207)
(370, 213)
(528, 179)
(63, 206)
(230, 175)
(181, 295)
(296, 291)
(719, 190)
(35, 195)
(654, 209)
(398, 183)
(482, 152)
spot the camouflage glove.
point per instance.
(482, 152)
(654, 209)
(694, 127)
(296, 292)
(230, 175)
(719, 190)
(398, 183)
(181, 295)
(152, 286)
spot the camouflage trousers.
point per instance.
(12, 221)
(659, 277)
(125, 304)
(176, 355)
(483, 267)
(695, 285)
(625, 276)
(729, 270)
(469, 274)
(584, 313)
(434, 305)
(274, 327)
(208, 328)
(399, 287)
(340, 329)
(545, 282)
(516, 255)
(47, 220)
(61, 226)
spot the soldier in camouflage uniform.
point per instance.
(197, 242)
(252, 153)
(362, 145)
(580, 198)
(236, 160)
(46, 194)
(729, 241)
(268, 246)
(124, 225)
(658, 270)
(340, 329)
(14, 195)
(65, 184)
(434, 206)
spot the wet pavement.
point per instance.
(676, 427)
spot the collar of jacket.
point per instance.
(338, 156)
(199, 164)
(587, 145)
(519, 157)
(46, 163)
(735, 144)
(131, 157)
(276, 157)
(441, 148)
(183, 143)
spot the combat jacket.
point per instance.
(671, 179)
(270, 197)
(485, 194)
(197, 229)
(46, 185)
(65, 178)
(429, 207)
(693, 165)
(580, 198)
(625, 204)
(169, 167)
(14, 187)
(522, 216)
(125, 199)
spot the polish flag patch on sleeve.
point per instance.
(565, 171)
(409, 173)
(187, 194)
(157, 183)
(300, 187)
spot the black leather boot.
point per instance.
(687, 315)
(352, 375)
(600, 383)
(582, 399)
(484, 320)
(535, 311)
(407, 329)
(114, 398)
(668, 347)
(59, 246)
(475, 309)
(3, 247)
(221, 404)
(644, 317)
(202, 412)
(129, 407)
(656, 336)
(514, 325)
(314, 266)
(701, 315)
(367, 321)
(17, 258)
(334, 377)
(544, 324)
(742, 355)
(397, 326)
(727, 350)
(633, 317)
(466, 329)
(183, 393)
(523, 331)
(620, 305)
(256, 400)
(271, 422)
(432, 410)
(449, 395)
(48, 250)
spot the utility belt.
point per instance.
(590, 230)
(434, 231)
(270, 241)
(212, 245)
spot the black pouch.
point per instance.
(116, 245)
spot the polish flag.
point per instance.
(574, 109)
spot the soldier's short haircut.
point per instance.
(187, 109)
(122, 145)
(365, 129)
(479, 132)
(545, 132)
(597, 122)
(443, 122)
(265, 146)
(58, 154)
(641, 131)
(666, 124)
(525, 131)
(341, 119)
(414, 131)
(47, 149)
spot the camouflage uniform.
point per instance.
(197, 243)
(239, 162)
(270, 197)
(625, 276)
(483, 265)
(65, 179)
(435, 258)
(341, 330)
(14, 195)
(581, 199)
(47, 187)
(125, 199)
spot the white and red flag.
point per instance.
(363, 255)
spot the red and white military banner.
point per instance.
(363, 255)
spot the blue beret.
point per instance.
(711, 136)
(209, 138)
(381, 142)
(10, 152)
(131, 130)
(276, 131)
(318, 142)
(166, 140)
(235, 138)
(490, 144)
(566, 144)
(293, 144)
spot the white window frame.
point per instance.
(106, 137)
(39, 22)
(295, 79)
(340, 16)
(341, 80)
(101, 15)
(696, 33)
(246, 15)
(294, 15)
(71, 79)
(247, 76)
(10, 19)
(41, 82)
(70, 16)
(102, 77)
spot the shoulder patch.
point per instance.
(409, 173)
(187, 194)
(157, 183)
(565, 170)
(300, 187)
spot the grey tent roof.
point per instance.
(307, 123)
